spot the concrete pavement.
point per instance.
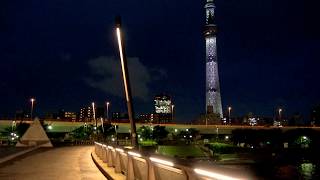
(58, 163)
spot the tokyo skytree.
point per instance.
(213, 96)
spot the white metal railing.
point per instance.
(135, 166)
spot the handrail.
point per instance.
(135, 165)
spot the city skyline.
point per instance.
(65, 55)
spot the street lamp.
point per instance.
(172, 107)
(279, 111)
(32, 101)
(229, 111)
(94, 114)
(107, 103)
(126, 82)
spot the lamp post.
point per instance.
(32, 102)
(229, 111)
(279, 111)
(126, 81)
(94, 115)
(172, 108)
(107, 103)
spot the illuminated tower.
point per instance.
(213, 97)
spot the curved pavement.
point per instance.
(58, 163)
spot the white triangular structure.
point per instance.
(34, 136)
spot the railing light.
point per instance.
(119, 150)
(98, 143)
(110, 147)
(214, 175)
(168, 163)
(134, 154)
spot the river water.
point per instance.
(304, 170)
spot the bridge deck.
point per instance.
(59, 163)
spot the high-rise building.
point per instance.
(86, 114)
(213, 96)
(163, 109)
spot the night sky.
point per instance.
(64, 53)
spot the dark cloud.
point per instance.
(106, 76)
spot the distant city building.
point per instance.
(144, 118)
(86, 114)
(315, 116)
(70, 116)
(162, 104)
(213, 96)
(120, 117)
(163, 109)
(21, 115)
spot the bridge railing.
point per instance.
(135, 166)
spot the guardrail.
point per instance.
(135, 166)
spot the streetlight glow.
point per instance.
(280, 110)
(122, 62)
(107, 103)
(32, 101)
(172, 106)
(229, 110)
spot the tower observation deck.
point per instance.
(213, 96)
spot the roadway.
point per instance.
(57, 163)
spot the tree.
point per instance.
(159, 133)
(145, 132)
(189, 135)
(108, 130)
(82, 133)
(14, 133)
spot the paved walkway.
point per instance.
(60, 163)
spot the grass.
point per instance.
(181, 151)
(147, 143)
(222, 148)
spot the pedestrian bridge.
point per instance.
(126, 163)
